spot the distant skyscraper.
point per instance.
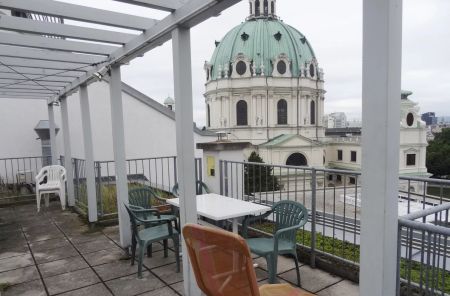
(336, 120)
(429, 118)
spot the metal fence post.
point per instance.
(226, 177)
(221, 176)
(313, 217)
(77, 180)
(99, 186)
(175, 169)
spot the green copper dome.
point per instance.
(261, 41)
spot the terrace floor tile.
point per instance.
(20, 275)
(33, 288)
(62, 266)
(344, 287)
(16, 262)
(312, 280)
(132, 285)
(116, 269)
(94, 290)
(71, 281)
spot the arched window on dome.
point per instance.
(297, 159)
(266, 8)
(272, 7)
(241, 113)
(312, 114)
(257, 12)
(208, 109)
(282, 111)
(251, 8)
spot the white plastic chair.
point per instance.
(56, 183)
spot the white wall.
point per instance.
(148, 132)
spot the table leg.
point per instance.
(235, 225)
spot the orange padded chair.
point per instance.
(223, 265)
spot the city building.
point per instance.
(429, 118)
(264, 85)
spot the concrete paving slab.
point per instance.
(50, 244)
(115, 270)
(104, 256)
(62, 266)
(179, 287)
(85, 237)
(166, 291)
(20, 275)
(344, 288)
(284, 263)
(16, 262)
(169, 274)
(132, 285)
(94, 290)
(312, 280)
(54, 254)
(33, 288)
(102, 243)
(71, 281)
(158, 259)
(35, 237)
(13, 252)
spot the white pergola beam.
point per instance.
(48, 55)
(16, 39)
(24, 25)
(25, 93)
(63, 74)
(52, 131)
(165, 5)
(382, 55)
(88, 153)
(118, 133)
(42, 91)
(80, 13)
(181, 47)
(20, 83)
(21, 97)
(190, 14)
(67, 152)
(28, 87)
(21, 62)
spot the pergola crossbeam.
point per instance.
(42, 72)
(54, 44)
(190, 14)
(165, 5)
(47, 55)
(34, 87)
(24, 25)
(80, 13)
(20, 62)
(22, 97)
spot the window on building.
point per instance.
(352, 180)
(257, 8)
(282, 111)
(297, 159)
(330, 177)
(353, 156)
(281, 67)
(272, 6)
(338, 178)
(251, 8)
(241, 67)
(311, 70)
(266, 8)
(241, 113)
(312, 114)
(410, 159)
(339, 154)
(209, 115)
(410, 119)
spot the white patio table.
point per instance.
(218, 207)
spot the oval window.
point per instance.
(409, 119)
(241, 67)
(281, 67)
(311, 70)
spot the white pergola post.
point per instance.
(382, 40)
(181, 47)
(67, 152)
(52, 130)
(88, 153)
(115, 88)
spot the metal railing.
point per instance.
(159, 173)
(17, 177)
(423, 254)
(332, 197)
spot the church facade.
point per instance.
(264, 86)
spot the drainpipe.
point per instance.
(267, 107)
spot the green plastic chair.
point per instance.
(144, 198)
(153, 232)
(288, 217)
(200, 188)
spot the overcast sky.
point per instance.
(334, 29)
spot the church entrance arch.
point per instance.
(297, 159)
